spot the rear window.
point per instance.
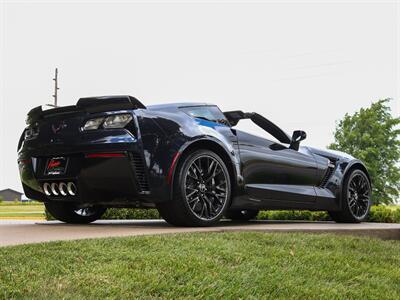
(209, 113)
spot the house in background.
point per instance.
(10, 195)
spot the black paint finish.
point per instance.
(265, 174)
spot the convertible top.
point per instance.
(235, 116)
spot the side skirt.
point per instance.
(277, 196)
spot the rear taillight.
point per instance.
(31, 133)
(117, 121)
(110, 122)
(92, 124)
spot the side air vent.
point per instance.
(140, 173)
(328, 174)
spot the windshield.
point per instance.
(206, 112)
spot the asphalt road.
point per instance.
(25, 232)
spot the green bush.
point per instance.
(130, 213)
(293, 215)
(382, 214)
(396, 215)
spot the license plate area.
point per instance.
(56, 165)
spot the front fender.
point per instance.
(353, 164)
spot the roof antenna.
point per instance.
(56, 88)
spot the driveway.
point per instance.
(25, 232)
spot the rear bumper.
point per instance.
(109, 180)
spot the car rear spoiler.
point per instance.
(235, 116)
(89, 105)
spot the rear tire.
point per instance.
(202, 191)
(356, 199)
(73, 214)
(241, 215)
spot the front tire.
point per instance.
(202, 191)
(74, 214)
(356, 199)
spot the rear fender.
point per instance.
(228, 154)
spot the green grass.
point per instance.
(16, 203)
(204, 265)
(21, 210)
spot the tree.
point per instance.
(372, 135)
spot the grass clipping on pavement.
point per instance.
(204, 265)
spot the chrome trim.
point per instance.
(46, 187)
(71, 188)
(62, 187)
(54, 186)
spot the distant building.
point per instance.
(10, 195)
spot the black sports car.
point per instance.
(187, 160)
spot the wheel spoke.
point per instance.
(198, 168)
(196, 201)
(219, 198)
(217, 171)
(192, 193)
(210, 168)
(193, 174)
(211, 210)
(206, 211)
(352, 190)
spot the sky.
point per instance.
(302, 64)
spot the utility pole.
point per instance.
(56, 88)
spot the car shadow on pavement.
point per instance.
(162, 224)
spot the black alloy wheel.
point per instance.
(358, 195)
(356, 199)
(202, 191)
(205, 185)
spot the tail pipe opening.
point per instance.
(60, 189)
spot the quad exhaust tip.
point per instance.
(60, 188)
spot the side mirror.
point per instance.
(297, 137)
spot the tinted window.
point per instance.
(210, 113)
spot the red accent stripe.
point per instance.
(96, 155)
(172, 167)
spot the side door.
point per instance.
(276, 175)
